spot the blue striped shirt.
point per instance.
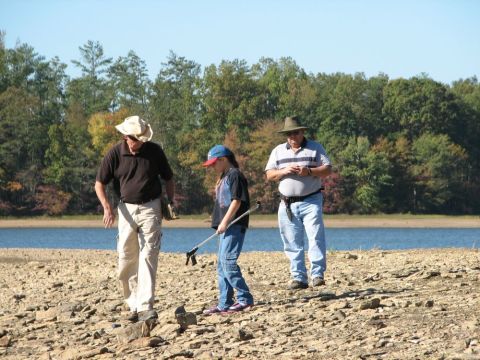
(311, 154)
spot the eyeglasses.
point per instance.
(293, 133)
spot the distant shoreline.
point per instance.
(340, 222)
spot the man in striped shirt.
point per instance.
(299, 165)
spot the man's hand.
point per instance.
(305, 171)
(168, 210)
(108, 217)
(279, 174)
(292, 169)
(171, 211)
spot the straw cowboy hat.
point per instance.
(136, 127)
(291, 124)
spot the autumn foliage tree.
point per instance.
(397, 145)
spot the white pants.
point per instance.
(139, 237)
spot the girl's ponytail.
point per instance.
(232, 160)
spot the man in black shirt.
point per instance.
(135, 165)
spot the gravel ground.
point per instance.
(416, 304)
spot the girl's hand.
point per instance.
(221, 228)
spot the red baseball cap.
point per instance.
(216, 152)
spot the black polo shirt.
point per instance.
(135, 177)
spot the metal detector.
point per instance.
(191, 253)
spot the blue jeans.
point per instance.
(307, 219)
(229, 274)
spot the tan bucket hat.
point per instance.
(291, 124)
(136, 127)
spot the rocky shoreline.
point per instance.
(415, 304)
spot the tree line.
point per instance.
(397, 145)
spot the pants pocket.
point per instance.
(230, 262)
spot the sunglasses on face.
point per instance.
(132, 138)
(293, 133)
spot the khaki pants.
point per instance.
(139, 239)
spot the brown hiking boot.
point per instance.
(132, 316)
(318, 281)
(147, 315)
(297, 285)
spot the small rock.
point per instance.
(47, 315)
(45, 356)
(369, 304)
(5, 341)
(243, 334)
(429, 303)
(430, 274)
(203, 329)
(196, 344)
(184, 319)
(19, 297)
(146, 342)
(134, 331)
(168, 331)
(381, 343)
(337, 305)
(339, 315)
(378, 324)
(20, 315)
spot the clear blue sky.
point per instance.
(401, 38)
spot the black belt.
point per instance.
(293, 199)
(141, 202)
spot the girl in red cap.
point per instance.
(231, 201)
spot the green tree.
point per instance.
(350, 106)
(421, 105)
(231, 97)
(365, 173)
(194, 194)
(175, 111)
(285, 87)
(130, 83)
(91, 90)
(400, 196)
(439, 173)
(256, 153)
(69, 172)
(3, 63)
(175, 103)
(468, 92)
(21, 140)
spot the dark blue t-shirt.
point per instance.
(232, 186)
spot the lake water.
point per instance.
(182, 239)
